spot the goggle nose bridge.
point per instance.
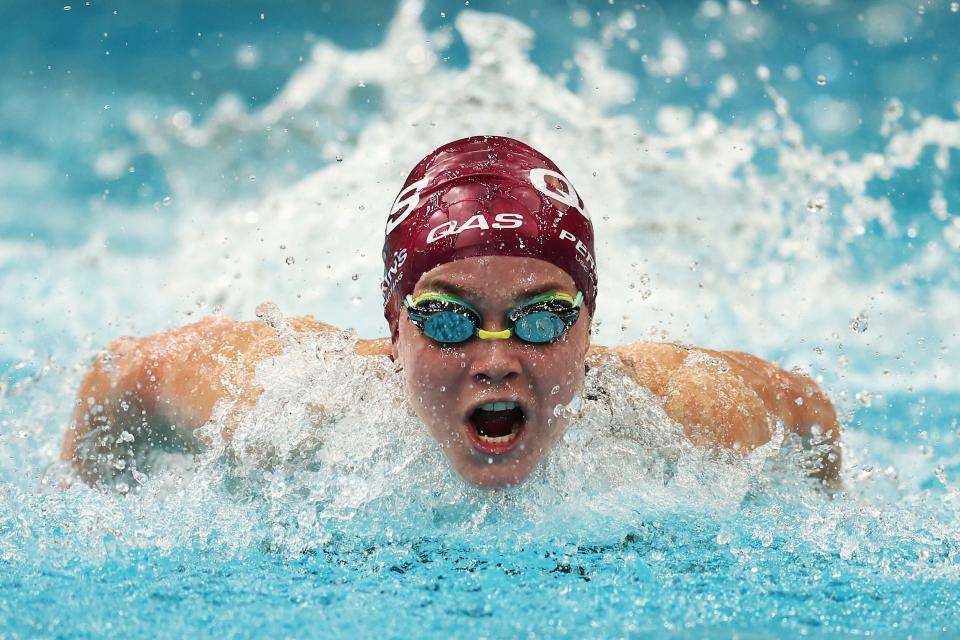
(483, 334)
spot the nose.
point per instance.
(493, 361)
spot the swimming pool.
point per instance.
(776, 180)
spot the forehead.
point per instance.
(496, 278)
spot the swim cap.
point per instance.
(485, 196)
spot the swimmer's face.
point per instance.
(447, 385)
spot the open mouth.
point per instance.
(496, 427)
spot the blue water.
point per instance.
(132, 199)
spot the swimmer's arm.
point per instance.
(159, 389)
(727, 398)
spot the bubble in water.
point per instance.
(859, 323)
(67, 7)
(355, 277)
(247, 56)
(955, 6)
(763, 73)
(339, 157)
(356, 299)
(821, 80)
(166, 201)
(290, 260)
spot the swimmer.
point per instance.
(489, 289)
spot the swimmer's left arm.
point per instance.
(726, 398)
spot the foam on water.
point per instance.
(743, 237)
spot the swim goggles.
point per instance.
(449, 320)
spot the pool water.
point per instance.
(775, 179)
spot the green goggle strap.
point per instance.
(431, 296)
(434, 296)
(547, 297)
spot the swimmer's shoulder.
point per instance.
(649, 363)
(225, 341)
(364, 347)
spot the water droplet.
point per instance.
(443, 14)
(290, 260)
(557, 127)
(356, 299)
(283, 247)
(555, 390)
(166, 201)
(355, 277)
(67, 7)
(955, 7)
(798, 402)
(120, 464)
(821, 79)
(816, 204)
(755, 2)
(859, 323)
(763, 73)
(339, 157)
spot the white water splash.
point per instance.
(733, 256)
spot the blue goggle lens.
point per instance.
(448, 326)
(540, 327)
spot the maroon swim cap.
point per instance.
(485, 196)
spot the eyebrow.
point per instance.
(467, 293)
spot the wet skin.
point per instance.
(163, 387)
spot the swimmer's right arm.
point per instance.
(155, 391)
